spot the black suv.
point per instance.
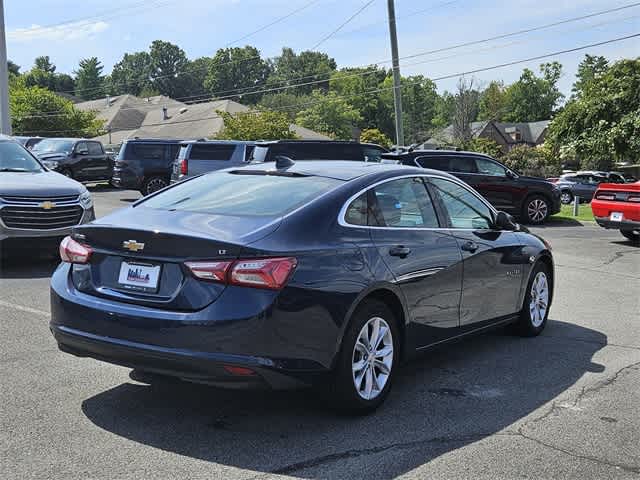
(77, 158)
(528, 198)
(318, 150)
(145, 164)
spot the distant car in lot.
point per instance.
(529, 198)
(196, 157)
(583, 184)
(28, 142)
(617, 206)
(317, 150)
(280, 275)
(37, 207)
(145, 164)
(77, 158)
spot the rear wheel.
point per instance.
(153, 184)
(566, 197)
(367, 361)
(535, 309)
(633, 235)
(536, 209)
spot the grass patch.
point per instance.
(566, 213)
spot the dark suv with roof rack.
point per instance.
(145, 164)
(529, 198)
(318, 150)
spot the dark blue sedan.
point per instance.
(315, 273)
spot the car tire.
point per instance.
(153, 184)
(566, 197)
(533, 317)
(358, 391)
(633, 235)
(536, 209)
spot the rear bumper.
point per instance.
(126, 179)
(623, 225)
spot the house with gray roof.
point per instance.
(507, 135)
(127, 116)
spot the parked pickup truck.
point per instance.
(77, 158)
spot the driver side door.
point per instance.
(493, 260)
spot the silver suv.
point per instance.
(38, 207)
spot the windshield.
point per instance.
(53, 145)
(227, 193)
(15, 158)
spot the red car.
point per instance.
(617, 206)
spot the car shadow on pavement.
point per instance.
(441, 402)
(28, 266)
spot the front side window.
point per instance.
(465, 209)
(404, 203)
(487, 167)
(95, 148)
(81, 148)
(372, 154)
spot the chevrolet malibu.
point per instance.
(315, 273)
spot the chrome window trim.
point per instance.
(341, 215)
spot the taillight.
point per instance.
(605, 196)
(269, 273)
(634, 198)
(184, 166)
(212, 271)
(74, 252)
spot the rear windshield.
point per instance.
(226, 193)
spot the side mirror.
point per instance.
(504, 221)
(82, 152)
(512, 175)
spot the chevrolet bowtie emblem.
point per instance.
(132, 245)
(47, 205)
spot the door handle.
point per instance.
(399, 251)
(469, 246)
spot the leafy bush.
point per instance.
(255, 126)
(532, 161)
(373, 135)
(484, 145)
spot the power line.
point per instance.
(405, 85)
(342, 25)
(55, 113)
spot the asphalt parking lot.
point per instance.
(562, 405)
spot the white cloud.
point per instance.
(67, 31)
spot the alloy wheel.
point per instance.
(537, 210)
(372, 358)
(154, 185)
(566, 197)
(539, 299)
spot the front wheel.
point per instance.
(633, 235)
(566, 197)
(153, 184)
(535, 309)
(536, 209)
(367, 361)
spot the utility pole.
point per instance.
(5, 119)
(397, 89)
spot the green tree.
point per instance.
(168, 61)
(255, 126)
(285, 102)
(373, 135)
(330, 114)
(89, 79)
(531, 161)
(484, 145)
(236, 72)
(39, 78)
(533, 98)
(14, 69)
(592, 67)
(28, 103)
(194, 77)
(492, 102)
(444, 109)
(44, 63)
(64, 83)
(603, 124)
(292, 69)
(131, 75)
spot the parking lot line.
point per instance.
(23, 308)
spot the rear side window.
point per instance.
(95, 148)
(226, 193)
(462, 165)
(436, 163)
(358, 212)
(404, 203)
(211, 152)
(148, 151)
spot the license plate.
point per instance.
(141, 277)
(616, 216)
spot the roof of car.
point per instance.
(434, 153)
(323, 142)
(152, 140)
(214, 142)
(342, 169)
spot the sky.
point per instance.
(68, 31)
